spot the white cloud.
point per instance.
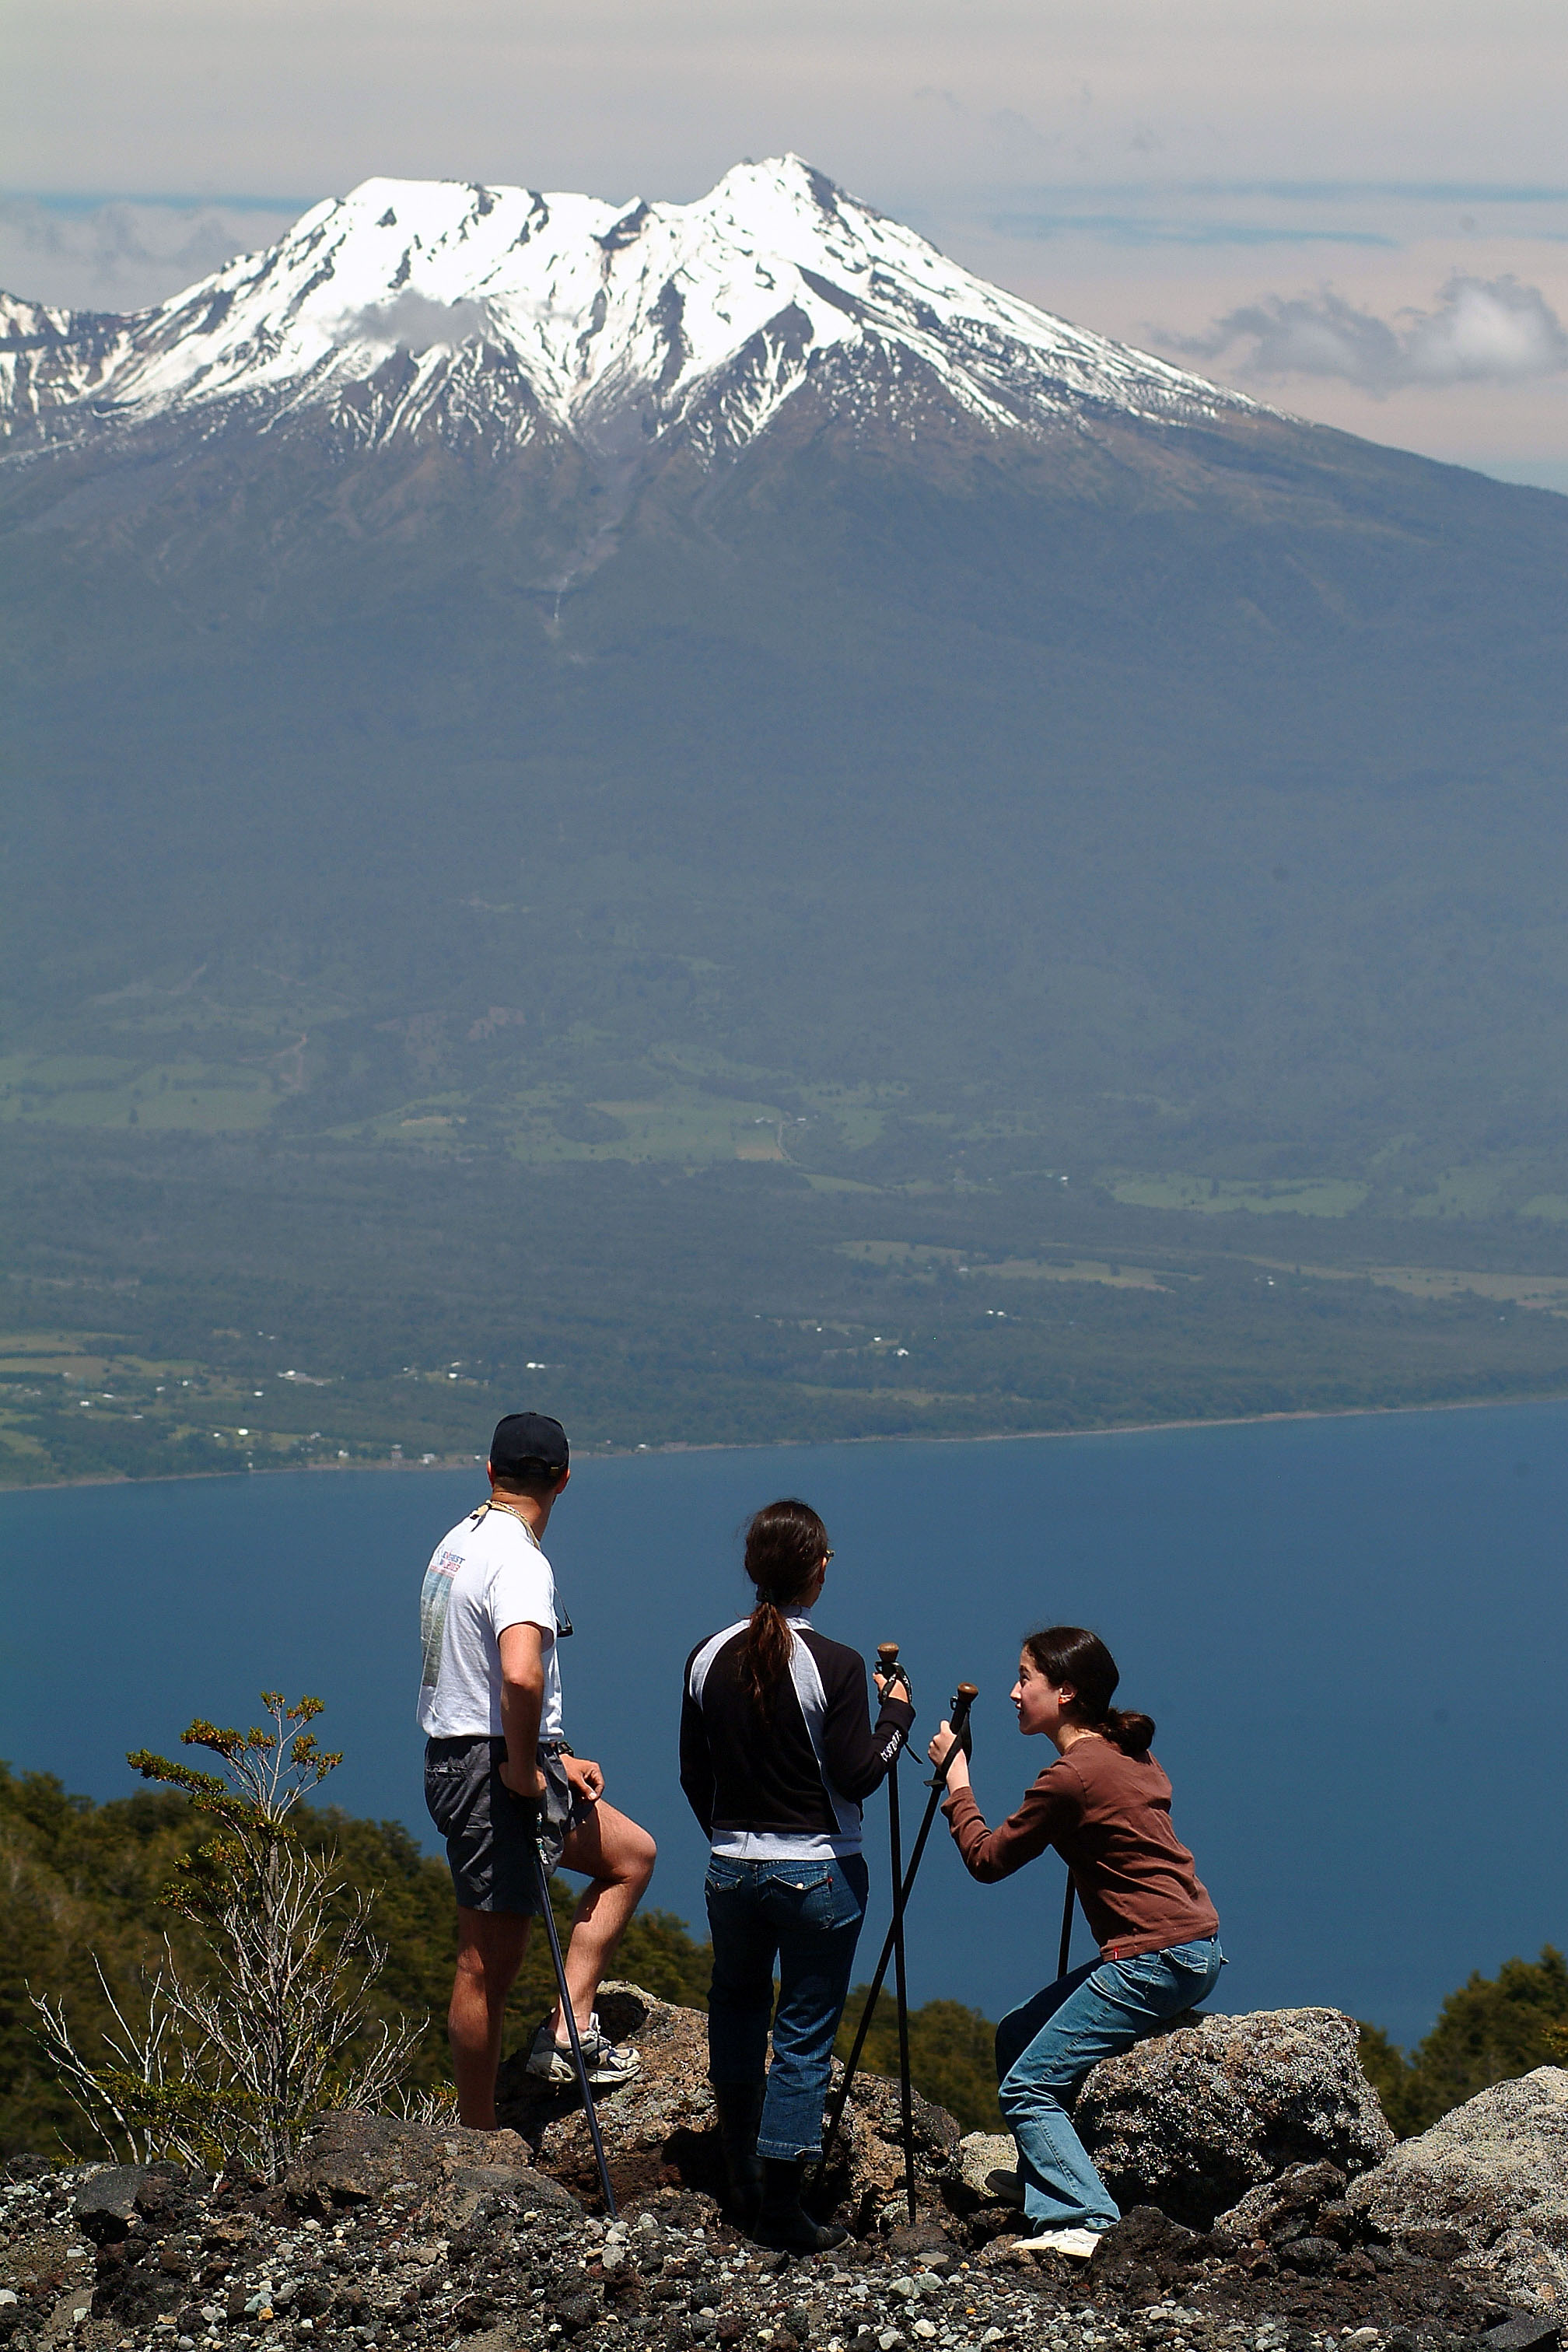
(413, 322)
(1493, 330)
(121, 255)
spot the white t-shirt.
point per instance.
(488, 1574)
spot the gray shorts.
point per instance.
(488, 1832)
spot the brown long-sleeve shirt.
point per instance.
(1109, 1817)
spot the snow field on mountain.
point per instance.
(713, 312)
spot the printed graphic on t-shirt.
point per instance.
(434, 1599)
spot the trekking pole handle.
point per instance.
(887, 1665)
(962, 1699)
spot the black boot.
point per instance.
(783, 2223)
(739, 2111)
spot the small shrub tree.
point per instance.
(227, 2068)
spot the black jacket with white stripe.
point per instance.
(784, 1782)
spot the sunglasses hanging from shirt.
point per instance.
(564, 1627)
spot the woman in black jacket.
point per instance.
(777, 1750)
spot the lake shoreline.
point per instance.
(780, 1445)
(1296, 1607)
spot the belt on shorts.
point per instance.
(446, 1745)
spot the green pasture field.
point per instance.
(917, 1257)
(1462, 1192)
(1318, 1196)
(219, 1303)
(76, 1090)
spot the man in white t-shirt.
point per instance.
(499, 1774)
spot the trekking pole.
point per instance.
(893, 1675)
(962, 1700)
(569, 2014)
(1066, 1928)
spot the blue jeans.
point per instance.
(806, 1917)
(1045, 2049)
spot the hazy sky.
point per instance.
(1357, 207)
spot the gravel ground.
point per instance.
(149, 2260)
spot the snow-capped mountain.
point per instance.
(418, 306)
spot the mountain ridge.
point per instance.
(488, 310)
(425, 804)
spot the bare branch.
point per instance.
(228, 2069)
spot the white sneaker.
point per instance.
(1079, 2245)
(607, 2062)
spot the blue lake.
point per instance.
(1351, 1632)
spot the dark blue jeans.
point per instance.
(805, 1917)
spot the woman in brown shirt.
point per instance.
(1106, 1808)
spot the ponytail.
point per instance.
(1127, 1729)
(1071, 1656)
(787, 1543)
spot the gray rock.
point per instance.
(1522, 2331)
(1210, 2107)
(105, 2204)
(988, 2166)
(1310, 2254)
(352, 2159)
(111, 2192)
(1285, 2207)
(1495, 2171)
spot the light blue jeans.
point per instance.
(1045, 2049)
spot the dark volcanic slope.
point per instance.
(1222, 766)
(715, 684)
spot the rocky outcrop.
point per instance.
(1193, 2118)
(1487, 2186)
(659, 2130)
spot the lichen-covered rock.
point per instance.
(1495, 2172)
(864, 2183)
(1194, 2117)
(988, 2167)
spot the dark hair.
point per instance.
(786, 1542)
(537, 1480)
(1071, 1655)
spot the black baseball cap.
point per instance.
(531, 1448)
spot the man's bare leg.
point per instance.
(618, 1858)
(491, 1946)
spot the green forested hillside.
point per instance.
(1492, 2028)
(82, 1882)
